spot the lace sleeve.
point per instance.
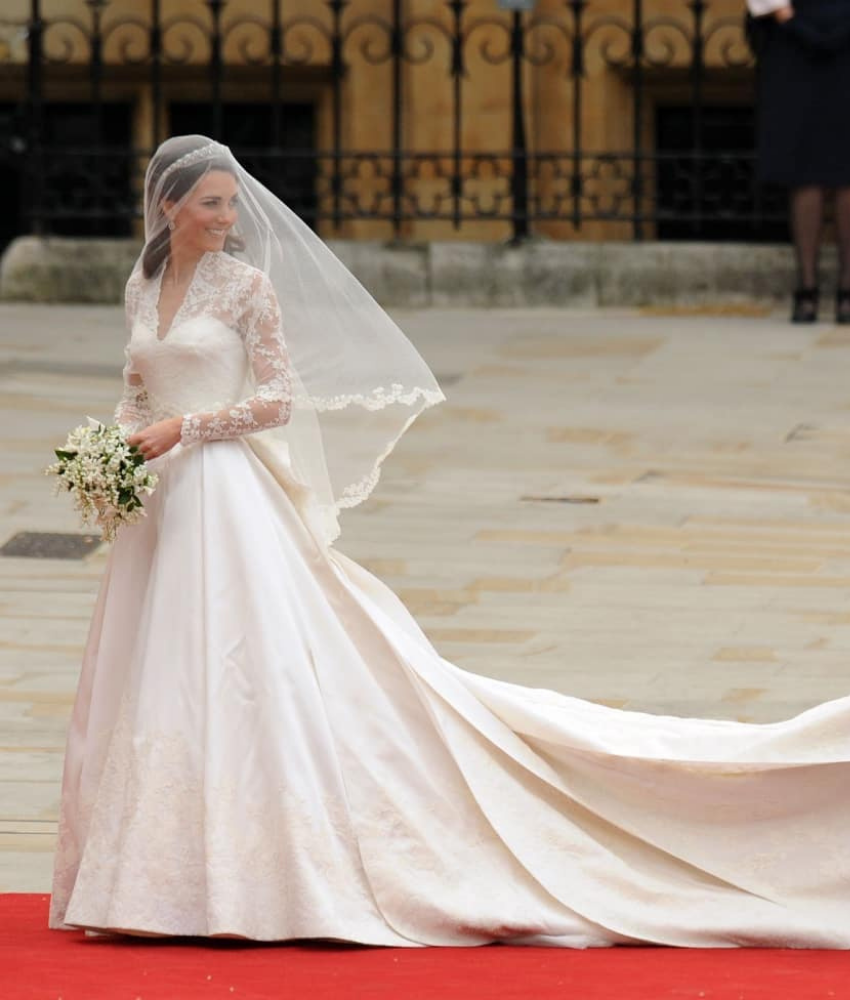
(270, 405)
(133, 412)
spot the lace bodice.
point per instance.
(222, 364)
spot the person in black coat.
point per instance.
(803, 136)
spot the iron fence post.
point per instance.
(337, 75)
(97, 7)
(276, 52)
(156, 71)
(577, 70)
(519, 149)
(216, 67)
(36, 118)
(457, 73)
(697, 66)
(397, 179)
(637, 133)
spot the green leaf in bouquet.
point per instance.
(104, 474)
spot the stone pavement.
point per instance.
(644, 509)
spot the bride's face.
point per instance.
(202, 222)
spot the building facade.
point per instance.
(412, 120)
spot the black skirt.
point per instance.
(803, 132)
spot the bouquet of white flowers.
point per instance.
(105, 475)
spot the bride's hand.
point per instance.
(159, 438)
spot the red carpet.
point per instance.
(38, 964)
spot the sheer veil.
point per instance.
(357, 381)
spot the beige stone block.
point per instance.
(502, 371)
(588, 435)
(385, 567)
(739, 695)
(759, 548)
(803, 526)
(746, 654)
(763, 580)
(480, 635)
(616, 477)
(36, 697)
(50, 709)
(750, 309)
(580, 347)
(695, 538)
(525, 537)
(830, 501)
(470, 415)
(515, 585)
(622, 534)
(25, 826)
(434, 601)
(29, 800)
(731, 483)
(836, 337)
(27, 842)
(820, 643)
(822, 617)
(703, 561)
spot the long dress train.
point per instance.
(264, 744)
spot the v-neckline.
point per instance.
(158, 294)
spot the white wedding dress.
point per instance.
(265, 745)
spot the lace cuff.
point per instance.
(255, 414)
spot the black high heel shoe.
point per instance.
(806, 306)
(842, 305)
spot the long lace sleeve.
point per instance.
(133, 411)
(270, 404)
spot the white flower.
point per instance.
(104, 475)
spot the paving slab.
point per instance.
(647, 510)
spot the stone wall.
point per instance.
(538, 273)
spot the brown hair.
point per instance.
(179, 183)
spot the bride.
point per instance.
(265, 745)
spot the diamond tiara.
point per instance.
(201, 153)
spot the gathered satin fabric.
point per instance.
(264, 744)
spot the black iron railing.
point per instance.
(276, 86)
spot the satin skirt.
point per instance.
(265, 745)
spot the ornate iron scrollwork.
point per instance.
(397, 182)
